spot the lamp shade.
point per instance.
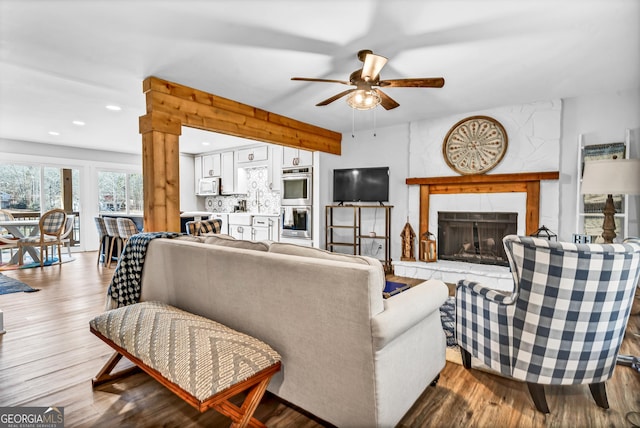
(363, 99)
(611, 177)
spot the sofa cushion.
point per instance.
(230, 241)
(190, 238)
(299, 250)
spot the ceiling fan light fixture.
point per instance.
(363, 99)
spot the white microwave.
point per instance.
(208, 186)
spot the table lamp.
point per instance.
(611, 177)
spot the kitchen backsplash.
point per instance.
(260, 198)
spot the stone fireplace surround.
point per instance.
(519, 192)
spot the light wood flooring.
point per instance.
(48, 357)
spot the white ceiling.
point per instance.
(62, 61)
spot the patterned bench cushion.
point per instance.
(201, 356)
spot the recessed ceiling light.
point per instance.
(206, 143)
(113, 107)
(54, 133)
(78, 122)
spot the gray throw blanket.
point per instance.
(125, 285)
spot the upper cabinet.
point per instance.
(233, 180)
(211, 166)
(296, 157)
(253, 155)
(275, 168)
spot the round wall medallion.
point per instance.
(475, 145)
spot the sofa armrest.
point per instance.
(407, 309)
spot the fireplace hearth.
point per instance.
(475, 237)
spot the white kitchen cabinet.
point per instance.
(253, 155)
(296, 157)
(228, 173)
(197, 172)
(211, 165)
(240, 231)
(265, 228)
(275, 169)
(240, 225)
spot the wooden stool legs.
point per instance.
(241, 416)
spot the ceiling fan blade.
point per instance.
(426, 82)
(335, 97)
(386, 101)
(372, 65)
(311, 79)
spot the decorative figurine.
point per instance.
(408, 236)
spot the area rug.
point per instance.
(29, 263)
(12, 285)
(448, 318)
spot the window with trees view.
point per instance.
(120, 192)
(33, 188)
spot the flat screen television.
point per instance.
(361, 185)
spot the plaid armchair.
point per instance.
(564, 321)
(196, 228)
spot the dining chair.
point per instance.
(103, 240)
(6, 215)
(66, 234)
(126, 228)
(7, 240)
(111, 225)
(51, 227)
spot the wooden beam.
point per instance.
(486, 178)
(209, 112)
(170, 106)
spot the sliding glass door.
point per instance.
(27, 191)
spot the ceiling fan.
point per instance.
(364, 96)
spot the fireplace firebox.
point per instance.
(475, 237)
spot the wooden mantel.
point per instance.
(528, 182)
(170, 106)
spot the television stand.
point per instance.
(352, 227)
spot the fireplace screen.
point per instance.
(475, 237)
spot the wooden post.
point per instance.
(171, 106)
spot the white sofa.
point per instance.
(349, 356)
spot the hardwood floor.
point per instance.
(48, 357)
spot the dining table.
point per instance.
(21, 229)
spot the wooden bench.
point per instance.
(203, 362)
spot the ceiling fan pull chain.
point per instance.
(374, 123)
(353, 123)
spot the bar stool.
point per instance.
(126, 228)
(111, 225)
(102, 236)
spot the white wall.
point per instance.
(188, 199)
(390, 147)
